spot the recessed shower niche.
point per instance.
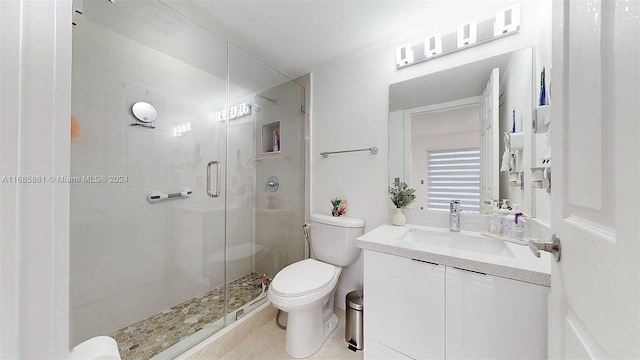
(271, 137)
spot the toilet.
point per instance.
(306, 289)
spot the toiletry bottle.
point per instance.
(509, 221)
(502, 214)
(519, 226)
(495, 220)
(276, 141)
(543, 92)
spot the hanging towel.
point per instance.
(546, 152)
(506, 161)
(507, 156)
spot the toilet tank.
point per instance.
(333, 238)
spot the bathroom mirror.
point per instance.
(446, 133)
(144, 112)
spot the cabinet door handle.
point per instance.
(426, 262)
(471, 271)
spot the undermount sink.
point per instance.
(458, 241)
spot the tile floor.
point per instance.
(147, 338)
(267, 343)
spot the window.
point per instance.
(453, 175)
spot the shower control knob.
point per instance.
(272, 184)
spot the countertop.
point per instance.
(523, 266)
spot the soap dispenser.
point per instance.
(493, 219)
(503, 212)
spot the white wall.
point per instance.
(350, 104)
(35, 82)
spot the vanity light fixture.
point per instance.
(182, 129)
(467, 34)
(507, 20)
(237, 111)
(433, 45)
(404, 55)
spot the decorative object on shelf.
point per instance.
(468, 34)
(338, 207)
(398, 218)
(401, 195)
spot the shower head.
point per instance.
(273, 101)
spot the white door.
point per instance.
(489, 138)
(594, 302)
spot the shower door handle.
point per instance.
(217, 164)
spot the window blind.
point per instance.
(453, 175)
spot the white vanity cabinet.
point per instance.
(491, 317)
(403, 307)
(419, 310)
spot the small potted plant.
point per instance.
(401, 195)
(338, 207)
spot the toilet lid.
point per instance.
(303, 277)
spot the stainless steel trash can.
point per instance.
(354, 331)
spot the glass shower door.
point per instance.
(148, 273)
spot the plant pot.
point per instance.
(398, 218)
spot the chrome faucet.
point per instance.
(454, 215)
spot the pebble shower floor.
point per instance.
(151, 336)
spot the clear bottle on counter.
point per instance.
(519, 226)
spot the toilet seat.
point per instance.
(303, 278)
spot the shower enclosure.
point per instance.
(227, 148)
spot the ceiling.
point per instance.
(296, 37)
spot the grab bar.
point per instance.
(325, 154)
(156, 196)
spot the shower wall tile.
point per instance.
(279, 230)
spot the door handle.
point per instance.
(217, 164)
(553, 247)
